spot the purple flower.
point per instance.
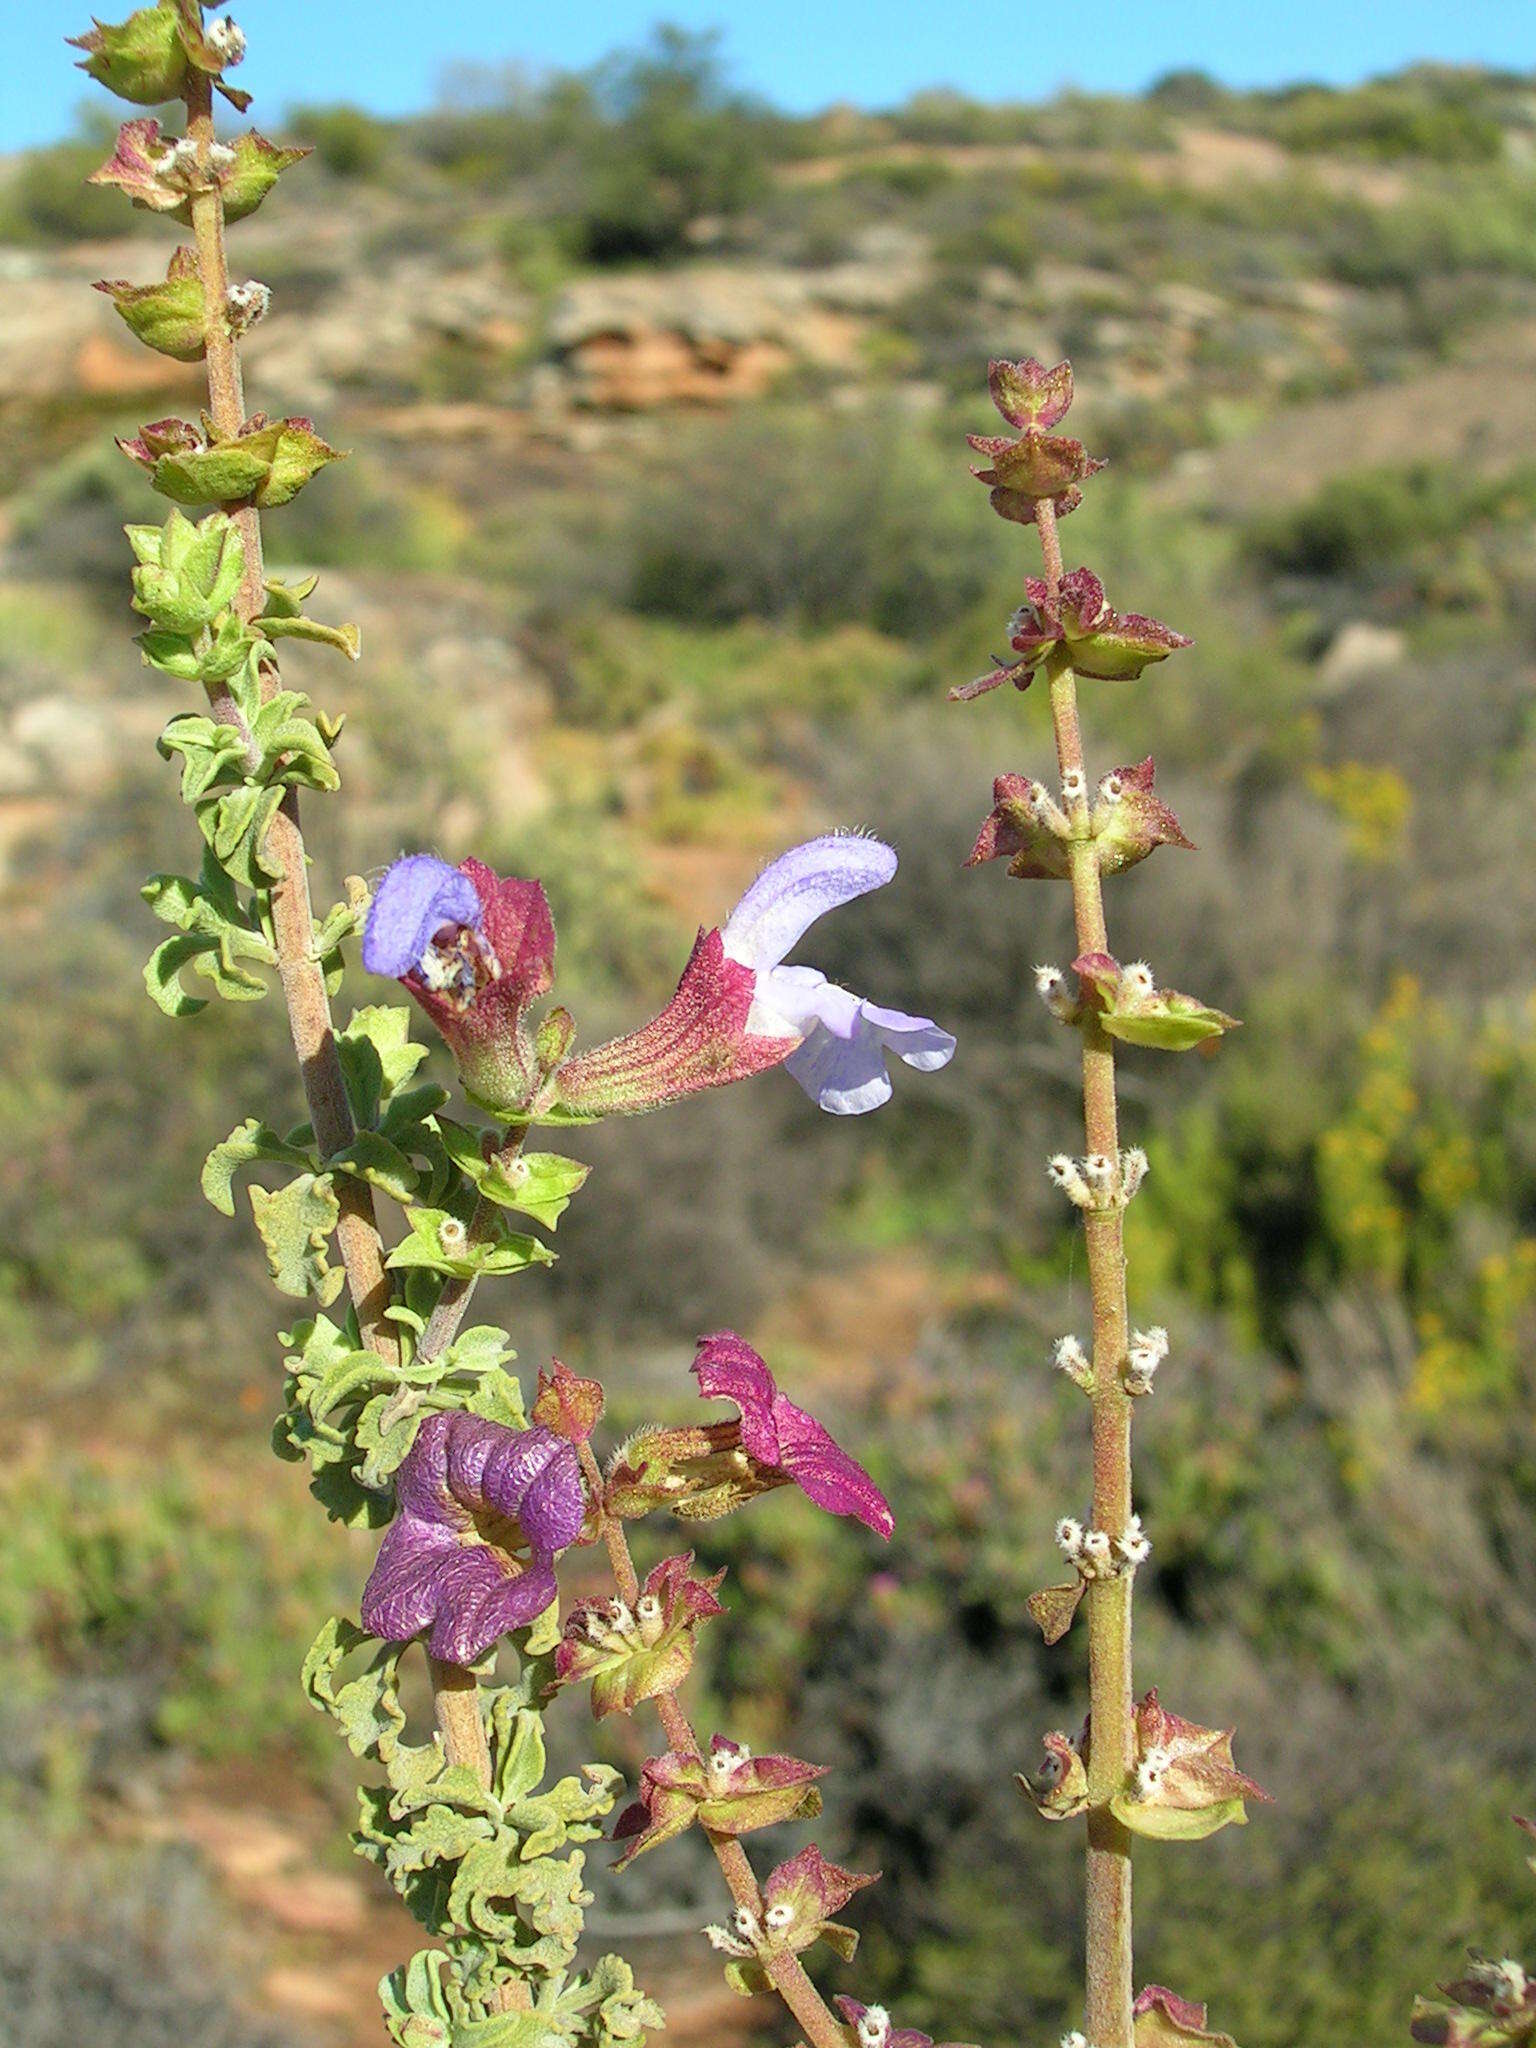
(782, 1439)
(840, 1061)
(482, 1512)
(475, 950)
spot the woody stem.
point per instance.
(454, 1691)
(293, 926)
(784, 1970)
(1108, 2016)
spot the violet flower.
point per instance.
(787, 1445)
(483, 1510)
(475, 950)
(841, 1059)
(739, 1009)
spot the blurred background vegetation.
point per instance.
(658, 524)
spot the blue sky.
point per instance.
(389, 54)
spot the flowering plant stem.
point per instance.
(785, 1971)
(463, 1731)
(455, 1692)
(1108, 2016)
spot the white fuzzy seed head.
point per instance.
(779, 1916)
(226, 39)
(247, 303)
(745, 1923)
(1096, 1549)
(1139, 978)
(1099, 1170)
(1074, 786)
(1111, 789)
(1074, 2040)
(875, 2027)
(452, 1235)
(1068, 1176)
(1068, 1356)
(1504, 1979)
(1069, 1537)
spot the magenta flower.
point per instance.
(739, 1009)
(1108, 645)
(870, 2027)
(787, 1445)
(483, 1511)
(475, 950)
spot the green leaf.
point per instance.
(377, 1057)
(202, 654)
(246, 1144)
(440, 1242)
(366, 1706)
(283, 619)
(296, 1223)
(372, 1158)
(221, 943)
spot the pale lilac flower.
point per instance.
(844, 1039)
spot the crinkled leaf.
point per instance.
(246, 1144)
(296, 1223)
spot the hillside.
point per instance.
(658, 526)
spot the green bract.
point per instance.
(265, 463)
(143, 59)
(169, 317)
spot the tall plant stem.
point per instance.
(454, 1691)
(1108, 2016)
(293, 925)
(785, 1971)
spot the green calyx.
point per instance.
(265, 464)
(149, 58)
(170, 317)
(143, 59)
